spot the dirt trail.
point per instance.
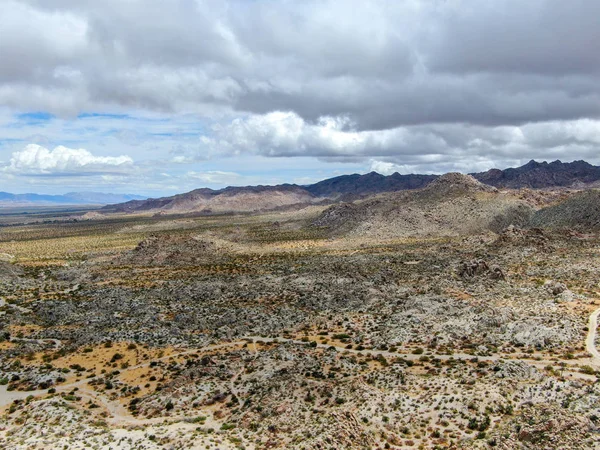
(590, 340)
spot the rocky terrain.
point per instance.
(453, 316)
(453, 204)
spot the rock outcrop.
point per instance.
(172, 250)
(452, 205)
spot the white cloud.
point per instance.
(385, 168)
(287, 134)
(37, 160)
(434, 148)
(218, 178)
(215, 177)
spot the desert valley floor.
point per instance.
(457, 316)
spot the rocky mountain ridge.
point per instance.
(370, 183)
(539, 175)
(533, 175)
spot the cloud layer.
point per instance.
(415, 148)
(192, 86)
(383, 65)
(37, 160)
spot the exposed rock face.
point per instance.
(534, 174)
(479, 267)
(455, 183)
(547, 427)
(521, 236)
(555, 287)
(353, 345)
(516, 370)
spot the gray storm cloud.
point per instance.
(396, 80)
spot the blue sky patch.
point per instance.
(103, 116)
(35, 117)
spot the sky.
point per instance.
(156, 97)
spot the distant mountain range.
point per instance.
(371, 183)
(539, 175)
(535, 175)
(239, 199)
(72, 198)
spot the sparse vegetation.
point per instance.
(258, 333)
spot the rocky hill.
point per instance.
(230, 199)
(453, 184)
(173, 250)
(580, 211)
(454, 204)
